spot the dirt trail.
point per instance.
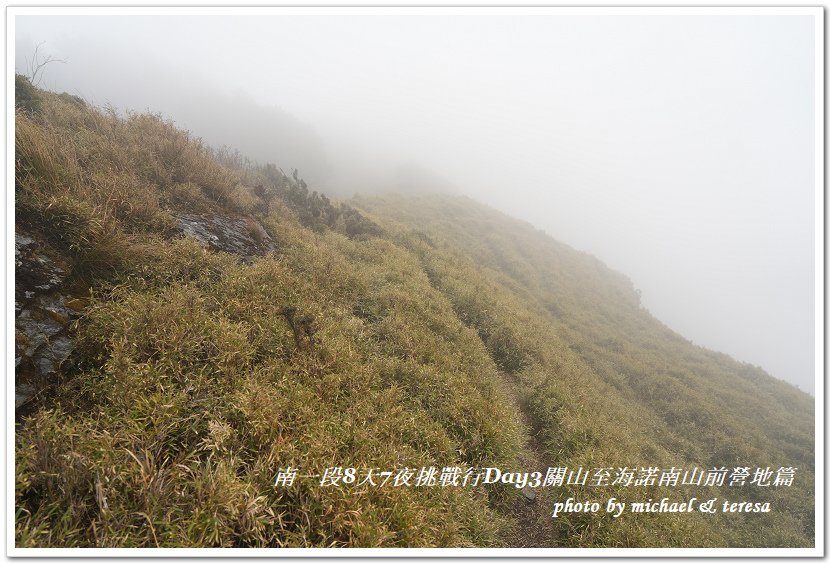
(535, 527)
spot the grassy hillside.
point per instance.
(387, 333)
(606, 384)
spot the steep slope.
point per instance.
(606, 383)
(226, 325)
(199, 374)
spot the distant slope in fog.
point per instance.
(228, 322)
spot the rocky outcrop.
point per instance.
(45, 305)
(243, 236)
(43, 310)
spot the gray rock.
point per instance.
(22, 393)
(42, 343)
(34, 272)
(529, 493)
(243, 236)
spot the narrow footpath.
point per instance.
(532, 508)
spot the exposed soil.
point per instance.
(535, 527)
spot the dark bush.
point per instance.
(26, 96)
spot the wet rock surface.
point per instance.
(45, 304)
(43, 311)
(242, 236)
(34, 273)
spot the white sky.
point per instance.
(677, 149)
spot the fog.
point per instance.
(680, 150)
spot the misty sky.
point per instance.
(680, 150)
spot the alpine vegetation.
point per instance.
(211, 353)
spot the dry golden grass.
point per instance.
(192, 390)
